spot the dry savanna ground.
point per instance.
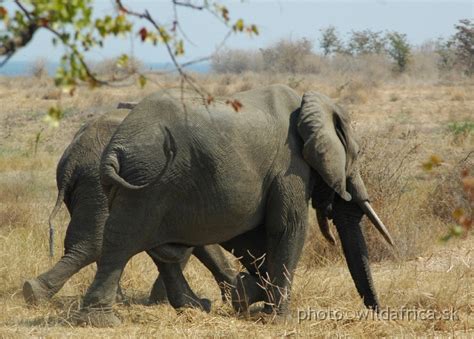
(401, 123)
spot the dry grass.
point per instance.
(400, 123)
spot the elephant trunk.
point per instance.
(347, 218)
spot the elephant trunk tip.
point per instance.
(324, 227)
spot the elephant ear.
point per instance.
(329, 146)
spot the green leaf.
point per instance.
(142, 80)
(3, 13)
(122, 61)
(239, 25)
(254, 29)
(179, 48)
(55, 114)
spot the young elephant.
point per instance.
(179, 173)
(79, 187)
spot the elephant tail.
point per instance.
(54, 212)
(109, 173)
(110, 165)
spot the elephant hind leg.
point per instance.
(47, 284)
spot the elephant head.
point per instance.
(339, 193)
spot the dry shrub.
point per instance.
(457, 94)
(371, 69)
(448, 194)
(354, 92)
(54, 94)
(112, 69)
(15, 197)
(39, 68)
(284, 56)
(237, 61)
(389, 167)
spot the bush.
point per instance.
(237, 61)
(117, 68)
(287, 56)
(39, 68)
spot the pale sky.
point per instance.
(420, 20)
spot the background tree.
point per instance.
(329, 41)
(366, 42)
(463, 44)
(399, 50)
(446, 54)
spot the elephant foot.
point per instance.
(96, 317)
(205, 305)
(121, 298)
(35, 292)
(202, 304)
(158, 295)
(246, 292)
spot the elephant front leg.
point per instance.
(170, 258)
(97, 304)
(180, 295)
(158, 293)
(250, 248)
(285, 225)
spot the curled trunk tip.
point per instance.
(324, 227)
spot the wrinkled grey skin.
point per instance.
(79, 187)
(178, 175)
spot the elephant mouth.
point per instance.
(323, 215)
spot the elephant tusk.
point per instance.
(324, 227)
(369, 211)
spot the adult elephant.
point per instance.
(78, 182)
(179, 173)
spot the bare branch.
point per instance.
(147, 16)
(11, 45)
(188, 4)
(23, 9)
